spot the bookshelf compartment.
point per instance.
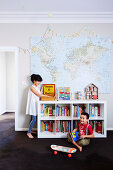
(47, 126)
(96, 111)
(75, 123)
(47, 110)
(97, 126)
(78, 109)
(63, 126)
(63, 110)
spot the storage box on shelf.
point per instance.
(56, 118)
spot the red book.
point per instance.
(98, 110)
(99, 127)
(48, 127)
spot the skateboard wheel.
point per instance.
(69, 155)
(55, 152)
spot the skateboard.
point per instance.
(63, 149)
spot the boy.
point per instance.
(85, 132)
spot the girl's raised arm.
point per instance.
(36, 92)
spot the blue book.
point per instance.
(75, 136)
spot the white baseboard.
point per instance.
(2, 112)
(10, 111)
(6, 111)
(109, 128)
(24, 129)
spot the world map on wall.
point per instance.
(72, 62)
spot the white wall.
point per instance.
(56, 5)
(2, 83)
(7, 83)
(10, 82)
(19, 35)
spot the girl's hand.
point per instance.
(41, 88)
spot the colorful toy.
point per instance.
(49, 90)
(75, 136)
(64, 93)
(63, 149)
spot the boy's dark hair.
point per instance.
(36, 77)
(86, 114)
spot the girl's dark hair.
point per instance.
(36, 77)
(86, 114)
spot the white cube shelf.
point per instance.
(71, 118)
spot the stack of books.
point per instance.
(77, 110)
(98, 126)
(63, 126)
(47, 110)
(46, 125)
(75, 123)
(62, 111)
(94, 110)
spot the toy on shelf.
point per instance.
(48, 89)
(63, 149)
(80, 95)
(64, 93)
(91, 91)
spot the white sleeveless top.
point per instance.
(32, 102)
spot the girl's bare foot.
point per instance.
(30, 136)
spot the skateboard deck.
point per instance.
(63, 149)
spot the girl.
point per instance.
(34, 94)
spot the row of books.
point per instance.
(62, 111)
(98, 126)
(63, 126)
(75, 123)
(77, 110)
(47, 110)
(46, 125)
(94, 110)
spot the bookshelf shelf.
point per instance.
(55, 118)
(96, 118)
(48, 118)
(63, 118)
(76, 118)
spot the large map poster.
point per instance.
(72, 61)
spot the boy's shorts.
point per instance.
(81, 142)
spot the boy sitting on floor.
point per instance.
(85, 132)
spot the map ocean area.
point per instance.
(72, 62)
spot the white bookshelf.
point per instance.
(71, 118)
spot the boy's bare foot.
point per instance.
(30, 136)
(80, 148)
(34, 132)
(68, 140)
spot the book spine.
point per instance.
(93, 111)
(98, 110)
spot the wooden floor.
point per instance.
(18, 152)
(7, 115)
